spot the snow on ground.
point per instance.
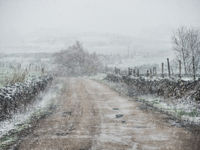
(136, 61)
(99, 76)
(180, 108)
(43, 101)
(184, 109)
(136, 129)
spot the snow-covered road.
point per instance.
(90, 115)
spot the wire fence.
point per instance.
(159, 72)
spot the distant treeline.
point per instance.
(75, 60)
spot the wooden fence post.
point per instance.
(150, 73)
(129, 71)
(154, 71)
(179, 62)
(194, 72)
(147, 73)
(169, 73)
(134, 72)
(42, 70)
(138, 72)
(162, 70)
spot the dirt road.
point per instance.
(90, 115)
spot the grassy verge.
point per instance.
(21, 130)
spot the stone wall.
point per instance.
(15, 97)
(160, 87)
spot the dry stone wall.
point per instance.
(161, 87)
(17, 96)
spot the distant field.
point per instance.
(19, 67)
(8, 74)
(4, 74)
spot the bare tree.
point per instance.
(187, 45)
(76, 61)
(180, 45)
(193, 39)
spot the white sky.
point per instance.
(151, 19)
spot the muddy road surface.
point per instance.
(91, 116)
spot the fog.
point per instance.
(99, 74)
(104, 26)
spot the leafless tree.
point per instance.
(193, 38)
(76, 61)
(180, 45)
(187, 45)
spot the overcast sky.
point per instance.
(139, 18)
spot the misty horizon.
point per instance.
(33, 26)
(99, 74)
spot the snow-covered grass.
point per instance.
(136, 61)
(15, 66)
(186, 110)
(10, 128)
(10, 75)
(99, 76)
